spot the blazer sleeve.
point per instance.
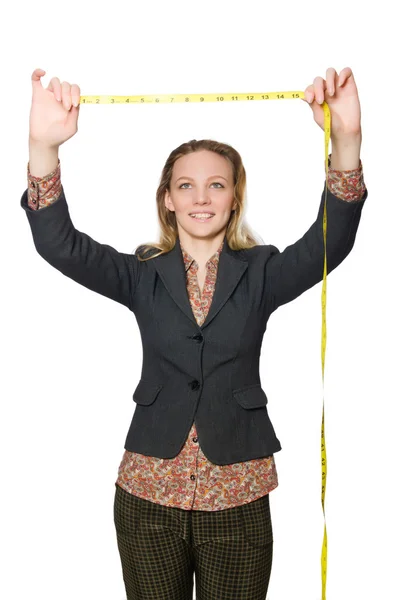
(301, 265)
(96, 266)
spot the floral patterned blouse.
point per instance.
(190, 481)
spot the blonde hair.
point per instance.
(238, 234)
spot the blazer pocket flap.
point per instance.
(251, 396)
(146, 392)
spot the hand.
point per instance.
(53, 121)
(343, 103)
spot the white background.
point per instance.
(71, 358)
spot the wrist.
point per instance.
(42, 146)
(348, 139)
(43, 159)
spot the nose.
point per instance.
(202, 198)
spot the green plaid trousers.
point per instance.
(230, 551)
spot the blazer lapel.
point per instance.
(171, 269)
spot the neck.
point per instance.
(201, 249)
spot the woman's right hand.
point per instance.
(53, 122)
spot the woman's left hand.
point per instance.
(343, 103)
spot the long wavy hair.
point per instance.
(238, 234)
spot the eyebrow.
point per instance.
(219, 177)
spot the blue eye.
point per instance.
(211, 184)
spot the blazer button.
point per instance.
(194, 439)
(195, 384)
(192, 477)
(198, 337)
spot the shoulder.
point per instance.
(144, 251)
(259, 253)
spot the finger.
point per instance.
(66, 96)
(55, 87)
(75, 92)
(343, 76)
(319, 89)
(36, 78)
(331, 73)
(309, 94)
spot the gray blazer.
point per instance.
(209, 374)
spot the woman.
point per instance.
(192, 493)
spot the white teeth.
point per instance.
(201, 216)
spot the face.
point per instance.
(202, 182)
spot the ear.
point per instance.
(167, 200)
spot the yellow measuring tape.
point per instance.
(241, 97)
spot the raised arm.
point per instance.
(300, 266)
(99, 267)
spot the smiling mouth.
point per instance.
(202, 219)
